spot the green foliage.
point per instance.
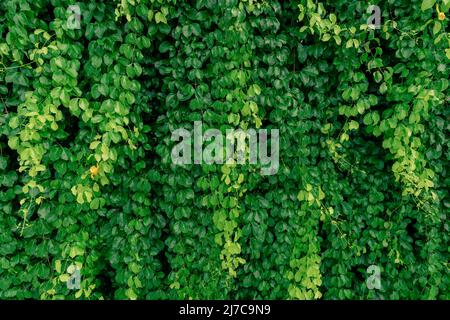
(86, 179)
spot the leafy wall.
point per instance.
(86, 179)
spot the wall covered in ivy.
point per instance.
(91, 91)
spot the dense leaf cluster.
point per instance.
(86, 179)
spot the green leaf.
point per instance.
(160, 18)
(367, 119)
(134, 267)
(64, 97)
(96, 61)
(257, 89)
(383, 88)
(14, 122)
(94, 145)
(337, 39)
(84, 104)
(353, 125)
(349, 43)
(427, 4)
(302, 53)
(437, 27)
(150, 15)
(3, 163)
(64, 277)
(58, 266)
(13, 143)
(131, 294)
(95, 203)
(76, 251)
(375, 117)
(377, 76)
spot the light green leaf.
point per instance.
(159, 17)
(437, 27)
(353, 125)
(14, 122)
(427, 4)
(58, 266)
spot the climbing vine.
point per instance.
(89, 103)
